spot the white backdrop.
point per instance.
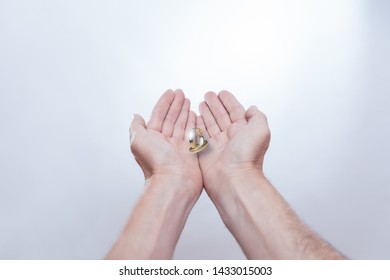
(73, 72)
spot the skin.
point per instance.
(173, 181)
(231, 172)
(255, 213)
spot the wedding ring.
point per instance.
(197, 141)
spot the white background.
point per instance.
(73, 72)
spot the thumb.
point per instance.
(137, 125)
(253, 114)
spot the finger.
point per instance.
(137, 127)
(255, 115)
(181, 122)
(235, 110)
(218, 110)
(160, 110)
(209, 120)
(173, 114)
(138, 123)
(200, 124)
(190, 124)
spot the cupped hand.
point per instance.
(161, 146)
(238, 139)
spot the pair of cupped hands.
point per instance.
(238, 139)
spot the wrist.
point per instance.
(225, 179)
(234, 187)
(173, 187)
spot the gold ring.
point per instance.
(197, 141)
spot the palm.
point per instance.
(231, 148)
(172, 155)
(220, 148)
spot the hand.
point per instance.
(238, 139)
(161, 146)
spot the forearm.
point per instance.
(264, 224)
(157, 220)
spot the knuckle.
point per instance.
(237, 109)
(180, 125)
(221, 113)
(171, 118)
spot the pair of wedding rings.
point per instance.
(197, 141)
